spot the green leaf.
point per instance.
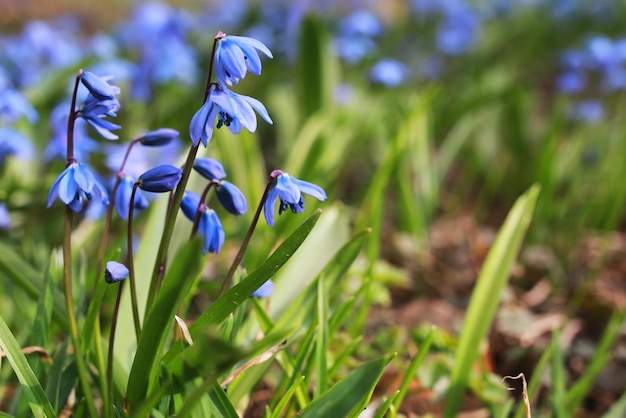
(349, 393)
(284, 399)
(388, 404)
(321, 345)
(486, 295)
(221, 407)
(35, 394)
(185, 268)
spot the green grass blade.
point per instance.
(321, 345)
(413, 366)
(486, 295)
(349, 393)
(185, 268)
(576, 395)
(221, 407)
(559, 407)
(37, 399)
(284, 399)
(387, 405)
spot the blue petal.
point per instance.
(268, 207)
(122, 197)
(287, 189)
(190, 204)
(253, 43)
(311, 189)
(67, 186)
(84, 178)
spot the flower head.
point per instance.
(163, 178)
(209, 168)
(231, 198)
(98, 86)
(289, 190)
(75, 185)
(115, 272)
(236, 55)
(158, 137)
(231, 109)
(209, 227)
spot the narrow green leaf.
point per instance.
(486, 295)
(349, 393)
(559, 408)
(184, 270)
(35, 394)
(321, 344)
(389, 403)
(221, 407)
(279, 409)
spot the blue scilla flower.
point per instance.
(98, 86)
(122, 197)
(5, 217)
(231, 198)
(163, 178)
(14, 143)
(13, 104)
(209, 168)
(75, 185)
(265, 291)
(209, 227)
(389, 72)
(289, 191)
(231, 109)
(115, 272)
(94, 110)
(159, 137)
(236, 55)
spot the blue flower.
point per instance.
(158, 137)
(75, 185)
(14, 143)
(115, 272)
(289, 190)
(122, 197)
(265, 291)
(231, 198)
(94, 110)
(163, 178)
(389, 72)
(209, 226)
(5, 218)
(236, 55)
(98, 86)
(209, 168)
(231, 109)
(13, 104)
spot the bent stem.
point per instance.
(111, 396)
(159, 265)
(131, 263)
(271, 181)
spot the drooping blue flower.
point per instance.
(75, 185)
(209, 226)
(163, 178)
(159, 137)
(289, 191)
(231, 198)
(115, 272)
(94, 110)
(209, 168)
(231, 109)
(265, 291)
(98, 86)
(236, 55)
(122, 197)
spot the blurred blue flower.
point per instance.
(588, 111)
(389, 72)
(265, 291)
(5, 217)
(159, 137)
(163, 178)
(115, 272)
(458, 32)
(209, 168)
(122, 197)
(571, 82)
(361, 22)
(209, 227)
(140, 159)
(236, 55)
(75, 185)
(231, 198)
(353, 49)
(231, 109)
(14, 143)
(289, 191)
(13, 104)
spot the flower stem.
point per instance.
(111, 395)
(271, 181)
(131, 263)
(159, 266)
(196, 219)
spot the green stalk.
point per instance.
(131, 263)
(108, 408)
(159, 266)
